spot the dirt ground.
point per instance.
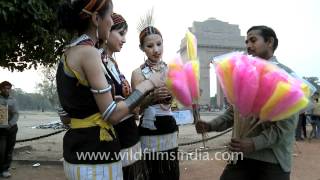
(48, 152)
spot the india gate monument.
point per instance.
(214, 38)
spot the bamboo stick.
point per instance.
(196, 116)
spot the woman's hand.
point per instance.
(162, 93)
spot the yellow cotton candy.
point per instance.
(195, 68)
(269, 68)
(169, 83)
(281, 90)
(191, 46)
(301, 104)
(175, 66)
(305, 88)
(227, 75)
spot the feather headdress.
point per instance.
(146, 26)
(146, 21)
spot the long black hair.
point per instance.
(71, 14)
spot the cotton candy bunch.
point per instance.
(183, 79)
(177, 82)
(260, 89)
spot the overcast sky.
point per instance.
(296, 23)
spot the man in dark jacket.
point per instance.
(7, 133)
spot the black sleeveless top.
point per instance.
(127, 130)
(78, 101)
(75, 98)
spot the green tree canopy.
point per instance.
(29, 34)
(314, 81)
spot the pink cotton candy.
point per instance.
(178, 84)
(182, 93)
(192, 80)
(246, 83)
(260, 66)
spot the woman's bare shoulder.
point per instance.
(81, 53)
(88, 52)
(137, 71)
(137, 76)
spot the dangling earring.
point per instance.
(97, 35)
(97, 32)
(114, 56)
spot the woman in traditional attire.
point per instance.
(134, 168)
(91, 146)
(158, 128)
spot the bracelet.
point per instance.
(101, 91)
(62, 112)
(109, 110)
(134, 99)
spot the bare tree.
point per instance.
(48, 86)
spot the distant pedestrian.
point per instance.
(7, 134)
